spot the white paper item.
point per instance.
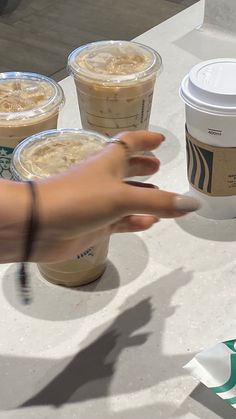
(216, 369)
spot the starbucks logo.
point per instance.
(5, 162)
(225, 389)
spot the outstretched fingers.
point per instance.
(141, 140)
(118, 156)
(134, 223)
(154, 201)
(141, 166)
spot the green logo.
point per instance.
(5, 162)
(231, 344)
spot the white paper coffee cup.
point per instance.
(209, 93)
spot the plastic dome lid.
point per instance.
(210, 87)
(26, 95)
(114, 61)
(50, 152)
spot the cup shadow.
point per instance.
(170, 148)
(205, 228)
(56, 303)
(167, 152)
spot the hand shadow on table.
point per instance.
(203, 398)
(56, 303)
(89, 374)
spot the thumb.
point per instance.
(160, 203)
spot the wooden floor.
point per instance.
(39, 34)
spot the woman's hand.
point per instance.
(89, 202)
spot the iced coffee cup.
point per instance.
(44, 155)
(209, 93)
(29, 103)
(114, 82)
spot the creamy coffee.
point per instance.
(46, 154)
(29, 103)
(49, 153)
(114, 82)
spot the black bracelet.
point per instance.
(31, 231)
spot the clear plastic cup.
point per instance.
(29, 103)
(114, 82)
(209, 93)
(46, 154)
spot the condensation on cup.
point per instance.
(46, 154)
(209, 93)
(114, 82)
(29, 103)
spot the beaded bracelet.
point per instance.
(31, 229)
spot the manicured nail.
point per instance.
(186, 203)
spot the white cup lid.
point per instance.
(210, 86)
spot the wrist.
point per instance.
(15, 202)
(54, 204)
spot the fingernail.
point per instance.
(163, 137)
(186, 203)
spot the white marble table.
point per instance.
(115, 349)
